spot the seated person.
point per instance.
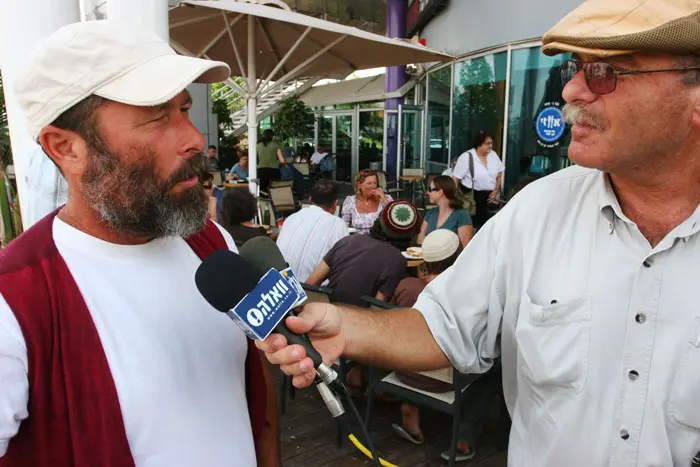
(361, 210)
(309, 234)
(237, 213)
(211, 161)
(214, 194)
(441, 249)
(449, 213)
(371, 264)
(318, 156)
(240, 170)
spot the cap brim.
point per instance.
(556, 48)
(161, 79)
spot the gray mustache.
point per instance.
(576, 114)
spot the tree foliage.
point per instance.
(5, 149)
(293, 119)
(476, 102)
(224, 104)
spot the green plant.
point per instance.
(293, 119)
(5, 149)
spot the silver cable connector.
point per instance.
(332, 401)
(326, 373)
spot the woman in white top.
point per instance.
(487, 176)
(361, 210)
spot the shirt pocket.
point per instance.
(553, 342)
(684, 404)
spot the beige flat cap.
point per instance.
(616, 27)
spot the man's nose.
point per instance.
(193, 140)
(578, 90)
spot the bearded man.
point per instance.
(586, 284)
(109, 355)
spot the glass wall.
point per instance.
(371, 135)
(438, 120)
(538, 138)
(325, 132)
(479, 101)
(475, 89)
(343, 147)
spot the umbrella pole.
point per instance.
(252, 111)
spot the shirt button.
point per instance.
(624, 434)
(633, 375)
(647, 264)
(640, 318)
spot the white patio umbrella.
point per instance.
(284, 45)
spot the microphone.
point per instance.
(233, 285)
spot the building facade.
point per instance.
(500, 83)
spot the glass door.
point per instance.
(325, 132)
(343, 147)
(411, 137)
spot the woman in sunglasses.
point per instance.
(361, 210)
(486, 178)
(449, 214)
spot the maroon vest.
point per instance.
(74, 414)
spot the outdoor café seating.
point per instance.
(449, 403)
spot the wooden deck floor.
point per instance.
(308, 435)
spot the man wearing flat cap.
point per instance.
(587, 281)
(109, 355)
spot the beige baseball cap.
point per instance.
(606, 28)
(110, 59)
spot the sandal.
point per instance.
(415, 438)
(460, 456)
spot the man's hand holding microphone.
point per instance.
(322, 323)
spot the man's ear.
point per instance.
(696, 108)
(66, 148)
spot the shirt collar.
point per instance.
(611, 210)
(609, 205)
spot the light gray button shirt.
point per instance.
(599, 333)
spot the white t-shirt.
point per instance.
(484, 176)
(178, 365)
(307, 236)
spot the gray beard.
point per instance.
(132, 199)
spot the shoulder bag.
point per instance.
(469, 201)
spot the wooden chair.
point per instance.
(384, 185)
(417, 187)
(218, 179)
(449, 403)
(303, 168)
(280, 183)
(283, 197)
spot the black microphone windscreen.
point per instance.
(224, 278)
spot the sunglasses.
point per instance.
(433, 188)
(207, 186)
(601, 77)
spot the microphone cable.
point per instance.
(334, 398)
(213, 280)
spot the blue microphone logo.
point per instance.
(259, 312)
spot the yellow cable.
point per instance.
(366, 452)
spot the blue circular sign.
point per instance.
(550, 124)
